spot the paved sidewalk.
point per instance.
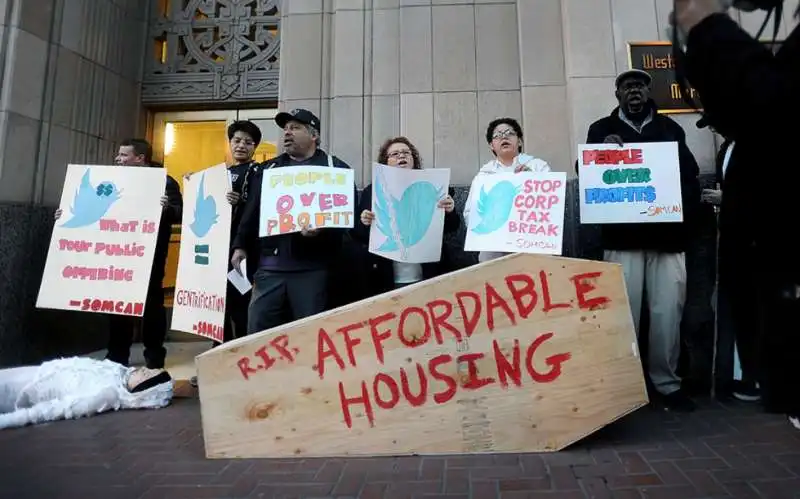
(719, 451)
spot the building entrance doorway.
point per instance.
(194, 140)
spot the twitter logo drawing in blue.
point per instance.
(205, 211)
(495, 206)
(91, 203)
(405, 221)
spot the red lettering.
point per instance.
(339, 200)
(548, 303)
(325, 349)
(554, 361)
(244, 367)
(325, 202)
(474, 381)
(265, 358)
(281, 345)
(471, 322)
(378, 337)
(420, 398)
(363, 399)
(286, 223)
(528, 289)
(494, 300)
(394, 392)
(284, 204)
(505, 369)
(350, 342)
(583, 285)
(612, 156)
(452, 386)
(440, 320)
(307, 199)
(415, 340)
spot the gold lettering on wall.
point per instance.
(651, 61)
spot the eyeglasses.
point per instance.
(397, 154)
(502, 134)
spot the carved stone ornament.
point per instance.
(212, 51)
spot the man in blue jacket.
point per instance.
(289, 271)
(653, 255)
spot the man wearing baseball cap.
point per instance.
(289, 271)
(652, 255)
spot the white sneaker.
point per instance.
(795, 421)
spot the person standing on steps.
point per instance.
(138, 153)
(289, 271)
(652, 255)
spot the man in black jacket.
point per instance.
(289, 271)
(747, 92)
(652, 254)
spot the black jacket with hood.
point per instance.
(661, 237)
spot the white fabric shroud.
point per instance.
(71, 388)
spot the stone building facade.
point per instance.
(80, 75)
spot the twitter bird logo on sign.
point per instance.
(413, 214)
(495, 206)
(205, 211)
(91, 203)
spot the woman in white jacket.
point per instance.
(504, 136)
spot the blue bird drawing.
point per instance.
(205, 211)
(495, 206)
(91, 203)
(405, 221)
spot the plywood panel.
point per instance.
(522, 354)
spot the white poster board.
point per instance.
(201, 284)
(102, 248)
(517, 213)
(408, 224)
(316, 197)
(633, 183)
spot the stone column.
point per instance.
(70, 91)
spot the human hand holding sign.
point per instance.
(614, 139)
(236, 260)
(233, 198)
(367, 217)
(58, 214)
(447, 204)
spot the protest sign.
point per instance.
(408, 224)
(517, 213)
(201, 285)
(314, 197)
(525, 353)
(102, 248)
(634, 183)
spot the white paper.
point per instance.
(238, 278)
(408, 224)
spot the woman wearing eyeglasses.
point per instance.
(384, 274)
(504, 136)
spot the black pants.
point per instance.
(154, 328)
(235, 314)
(780, 344)
(278, 296)
(738, 305)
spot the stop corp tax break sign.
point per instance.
(635, 183)
(524, 353)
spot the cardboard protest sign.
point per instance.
(634, 183)
(517, 212)
(102, 248)
(525, 353)
(316, 197)
(201, 285)
(408, 224)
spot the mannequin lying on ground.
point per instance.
(77, 387)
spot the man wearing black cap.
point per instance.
(652, 254)
(289, 271)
